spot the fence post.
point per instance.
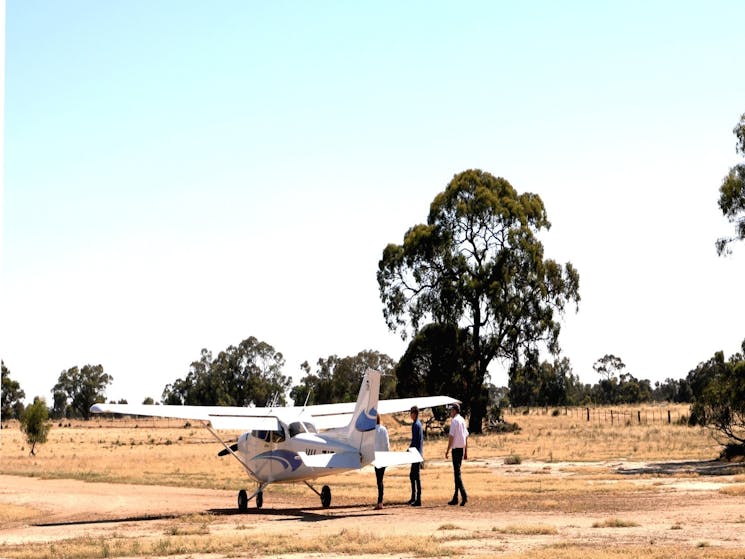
(668, 417)
(639, 416)
(588, 414)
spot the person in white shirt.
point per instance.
(381, 445)
(458, 442)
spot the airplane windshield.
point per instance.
(310, 427)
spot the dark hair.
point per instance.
(414, 410)
(455, 407)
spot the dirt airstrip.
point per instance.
(678, 505)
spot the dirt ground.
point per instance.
(680, 504)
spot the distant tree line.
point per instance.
(554, 384)
(251, 374)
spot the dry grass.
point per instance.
(527, 530)
(10, 513)
(171, 452)
(614, 523)
(344, 542)
(569, 436)
(174, 452)
(626, 552)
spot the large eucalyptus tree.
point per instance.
(732, 194)
(478, 264)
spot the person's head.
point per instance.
(414, 412)
(454, 410)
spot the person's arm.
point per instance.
(450, 445)
(465, 450)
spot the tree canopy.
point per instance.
(542, 384)
(337, 379)
(478, 264)
(80, 388)
(243, 375)
(732, 194)
(718, 387)
(11, 405)
(436, 361)
(34, 423)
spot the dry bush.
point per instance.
(614, 523)
(527, 530)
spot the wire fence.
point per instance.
(613, 416)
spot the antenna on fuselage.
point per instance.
(274, 402)
(307, 397)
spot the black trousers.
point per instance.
(416, 483)
(457, 454)
(379, 472)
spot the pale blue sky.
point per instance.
(181, 175)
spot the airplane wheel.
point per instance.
(259, 499)
(326, 496)
(242, 500)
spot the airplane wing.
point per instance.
(328, 416)
(405, 404)
(220, 417)
(385, 459)
(325, 416)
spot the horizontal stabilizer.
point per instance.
(339, 460)
(385, 459)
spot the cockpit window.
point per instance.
(263, 435)
(310, 427)
(269, 436)
(296, 428)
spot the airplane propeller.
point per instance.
(224, 451)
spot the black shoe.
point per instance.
(463, 502)
(416, 503)
(410, 502)
(453, 502)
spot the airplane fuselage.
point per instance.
(272, 456)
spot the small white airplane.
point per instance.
(282, 444)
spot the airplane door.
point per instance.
(269, 457)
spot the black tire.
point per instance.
(325, 496)
(259, 499)
(242, 500)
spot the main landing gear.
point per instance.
(244, 497)
(325, 494)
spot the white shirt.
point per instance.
(381, 438)
(458, 431)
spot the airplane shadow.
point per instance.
(700, 467)
(142, 518)
(312, 514)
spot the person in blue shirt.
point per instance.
(417, 441)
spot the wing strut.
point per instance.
(231, 451)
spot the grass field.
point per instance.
(180, 454)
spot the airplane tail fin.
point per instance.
(360, 432)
